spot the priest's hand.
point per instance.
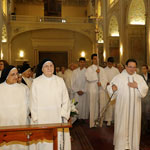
(80, 93)
(114, 88)
(98, 83)
(133, 84)
(98, 70)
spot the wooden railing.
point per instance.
(27, 133)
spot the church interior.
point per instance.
(65, 30)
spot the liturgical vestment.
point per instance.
(96, 93)
(110, 73)
(127, 110)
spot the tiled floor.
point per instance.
(85, 138)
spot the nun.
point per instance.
(26, 75)
(49, 103)
(14, 104)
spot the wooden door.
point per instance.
(60, 58)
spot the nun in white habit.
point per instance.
(49, 104)
(13, 108)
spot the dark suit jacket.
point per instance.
(148, 78)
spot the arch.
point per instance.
(49, 40)
(55, 28)
(136, 14)
(113, 26)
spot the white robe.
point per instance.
(110, 73)
(92, 78)
(49, 103)
(67, 79)
(60, 74)
(13, 109)
(127, 110)
(79, 83)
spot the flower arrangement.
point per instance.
(74, 111)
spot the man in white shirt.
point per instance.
(79, 88)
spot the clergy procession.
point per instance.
(114, 95)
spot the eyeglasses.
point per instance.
(130, 67)
(14, 74)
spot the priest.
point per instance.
(97, 82)
(13, 99)
(111, 72)
(128, 88)
(50, 104)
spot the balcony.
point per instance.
(46, 19)
(21, 23)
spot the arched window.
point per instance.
(113, 27)
(137, 12)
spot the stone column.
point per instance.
(1, 24)
(148, 31)
(122, 29)
(105, 28)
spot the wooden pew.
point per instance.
(27, 133)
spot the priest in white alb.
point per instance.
(79, 88)
(50, 103)
(111, 72)
(97, 82)
(13, 104)
(128, 88)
